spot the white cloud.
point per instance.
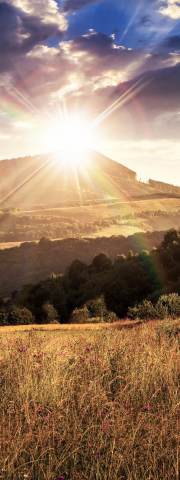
(172, 9)
(46, 10)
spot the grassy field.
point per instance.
(89, 404)
(106, 219)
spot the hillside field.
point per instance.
(90, 404)
(91, 220)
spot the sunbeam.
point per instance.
(122, 100)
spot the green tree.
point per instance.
(20, 316)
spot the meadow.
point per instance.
(92, 220)
(92, 403)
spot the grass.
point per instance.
(66, 327)
(89, 404)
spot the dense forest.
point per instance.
(122, 283)
(32, 262)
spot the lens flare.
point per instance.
(71, 138)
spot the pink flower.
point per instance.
(147, 407)
(106, 425)
(22, 348)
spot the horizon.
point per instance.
(111, 67)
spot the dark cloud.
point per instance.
(101, 54)
(20, 33)
(72, 5)
(156, 105)
(172, 43)
(161, 91)
(145, 20)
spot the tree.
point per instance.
(20, 316)
(77, 273)
(101, 263)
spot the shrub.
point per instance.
(169, 331)
(97, 307)
(144, 311)
(98, 312)
(80, 315)
(50, 314)
(20, 316)
(3, 318)
(111, 317)
(168, 306)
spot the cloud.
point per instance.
(171, 9)
(23, 26)
(78, 67)
(156, 106)
(172, 43)
(72, 5)
(46, 10)
(90, 72)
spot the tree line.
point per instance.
(122, 283)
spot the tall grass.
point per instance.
(89, 405)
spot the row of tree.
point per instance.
(122, 283)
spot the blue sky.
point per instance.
(134, 22)
(86, 55)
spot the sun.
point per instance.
(76, 135)
(72, 138)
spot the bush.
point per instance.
(168, 306)
(20, 316)
(97, 307)
(111, 317)
(3, 318)
(98, 312)
(50, 314)
(144, 311)
(80, 315)
(169, 331)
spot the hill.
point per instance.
(33, 262)
(48, 181)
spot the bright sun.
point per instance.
(71, 139)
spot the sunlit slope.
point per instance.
(48, 181)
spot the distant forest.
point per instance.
(33, 262)
(122, 282)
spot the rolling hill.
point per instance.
(47, 181)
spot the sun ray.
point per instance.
(24, 182)
(122, 100)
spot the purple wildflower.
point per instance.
(22, 348)
(147, 407)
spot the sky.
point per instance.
(114, 62)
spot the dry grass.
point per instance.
(66, 327)
(89, 405)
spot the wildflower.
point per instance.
(61, 477)
(22, 348)
(147, 407)
(106, 425)
(89, 348)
